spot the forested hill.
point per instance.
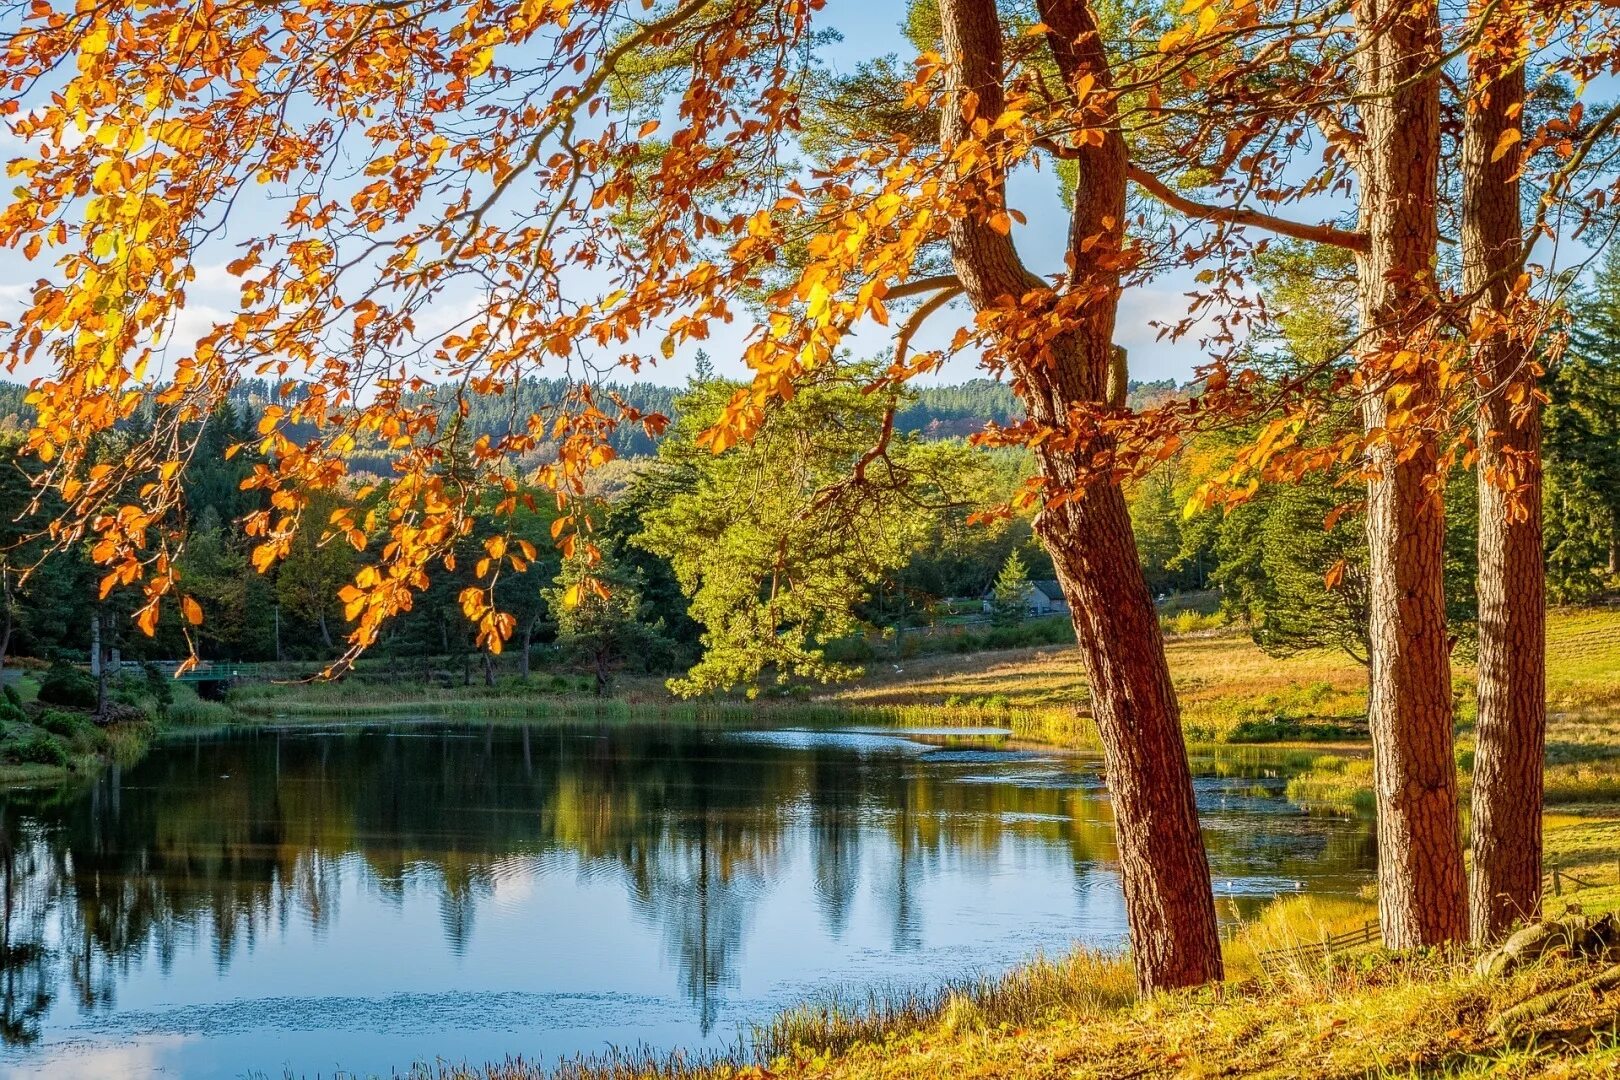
(935, 412)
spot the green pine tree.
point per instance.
(1009, 597)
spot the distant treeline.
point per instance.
(934, 412)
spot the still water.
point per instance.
(349, 902)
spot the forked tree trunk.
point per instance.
(1163, 865)
(1505, 880)
(1421, 890)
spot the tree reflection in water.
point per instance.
(215, 843)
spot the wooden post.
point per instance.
(1558, 888)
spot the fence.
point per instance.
(1368, 934)
(1556, 882)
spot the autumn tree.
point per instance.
(462, 192)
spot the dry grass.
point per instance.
(1380, 1016)
(1229, 689)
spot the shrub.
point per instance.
(77, 729)
(69, 686)
(62, 723)
(35, 748)
(12, 697)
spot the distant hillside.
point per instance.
(934, 412)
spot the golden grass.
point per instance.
(1228, 688)
(1382, 1016)
(1224, 680)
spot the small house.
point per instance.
(1040, 598)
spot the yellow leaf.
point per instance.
(192, 610)
(95, 42)
(1509, 139)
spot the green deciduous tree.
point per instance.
(775, 541)
(601, 621)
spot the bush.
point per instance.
(12, 698)
(62, 723)
(77, 728)
(35, 748)
(68, 686)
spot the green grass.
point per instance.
(1334, 784)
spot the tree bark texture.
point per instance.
(1163, 865)
(1421, 890)
(1511, 732)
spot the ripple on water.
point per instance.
(395, 1014)
(870, 742)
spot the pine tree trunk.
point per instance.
(1421, 891)
(1511, 732)
(1163, 866)
(1164, 869)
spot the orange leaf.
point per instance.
(1334, 576)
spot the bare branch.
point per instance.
(1236, 215)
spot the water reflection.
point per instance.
(638, 882)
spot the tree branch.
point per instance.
(1316, 234)
(923, 285)
(902, 343)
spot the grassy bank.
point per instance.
(1368, 1014)
(1231, 693)
(45, 741)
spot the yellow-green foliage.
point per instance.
(1334, 784)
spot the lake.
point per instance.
(327, 902)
